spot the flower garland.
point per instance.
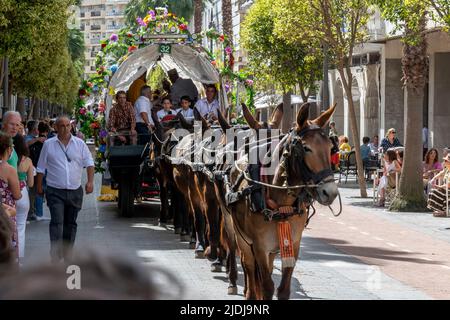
(118, 47)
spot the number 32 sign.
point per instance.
(165, 48)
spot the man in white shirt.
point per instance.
(185, 110)
(166, 110)
(208, 106)
(144, 122)
(63, 157)
(181, 87)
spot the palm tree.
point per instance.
(415, 70)
(227, 19)
(75, 44)
(198, 11)
(139, 8)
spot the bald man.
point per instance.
(11, 125)
(63, 157)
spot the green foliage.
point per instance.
(35, 39)
(440, 12)
(406, 15)
(157, 75)
(139, 8)
(339, 24)
(272, 58)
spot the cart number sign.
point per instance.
(165, 48)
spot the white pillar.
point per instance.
(382, 94)
(431, 89)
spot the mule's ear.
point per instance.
(198, 117)
(158, 128)
(249, 118)
(222, 121)
(277, 116)
(183, 123)
(302, 115)
(323, 119)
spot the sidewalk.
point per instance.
(413, 248)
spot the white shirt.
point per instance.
(162, 113)
(183, 87)
(187, 114)
(143, 104)
(205, 108)
(62, 174)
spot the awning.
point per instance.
(271, 100)
(189, 63)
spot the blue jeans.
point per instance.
(39, 200)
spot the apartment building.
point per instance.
(212, 17)
(98, 20)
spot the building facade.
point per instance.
(212, 18)
(377, 87)
(98, 20)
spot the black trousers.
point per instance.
(64, 206)
(143, 133)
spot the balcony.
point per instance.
(96, 14)
(115, 14)
(111, 27)
(95, 27)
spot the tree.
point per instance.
(340, 25)
(227, 19)
(411, 16)
(198, 11)
(273, 60)
(139, 8)
(36, 42)
(440, 11)
(76, 48)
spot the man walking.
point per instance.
(64, 157)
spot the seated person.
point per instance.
(208, 106)
(391, 166)
(344, 147)
(181, 87)
(166, 110)
(399, 153)
(185, 110)
(437, 201)
(365, 151)
(431, 165)
(122, 119)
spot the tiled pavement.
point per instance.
(326, 268)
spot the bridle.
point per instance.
(295, 151)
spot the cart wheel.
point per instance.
(126, 198)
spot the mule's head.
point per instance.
(307, 156)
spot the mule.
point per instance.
(305, 160)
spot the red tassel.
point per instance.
(286, 246)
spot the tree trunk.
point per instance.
(227, 19)
(36, 108)
(410, 196)
(198, 21)
(21, 106)
(288, 116)
(347, 82)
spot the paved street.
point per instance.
(365, 253)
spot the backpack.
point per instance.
(35, 152)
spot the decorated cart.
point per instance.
(162, 39)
